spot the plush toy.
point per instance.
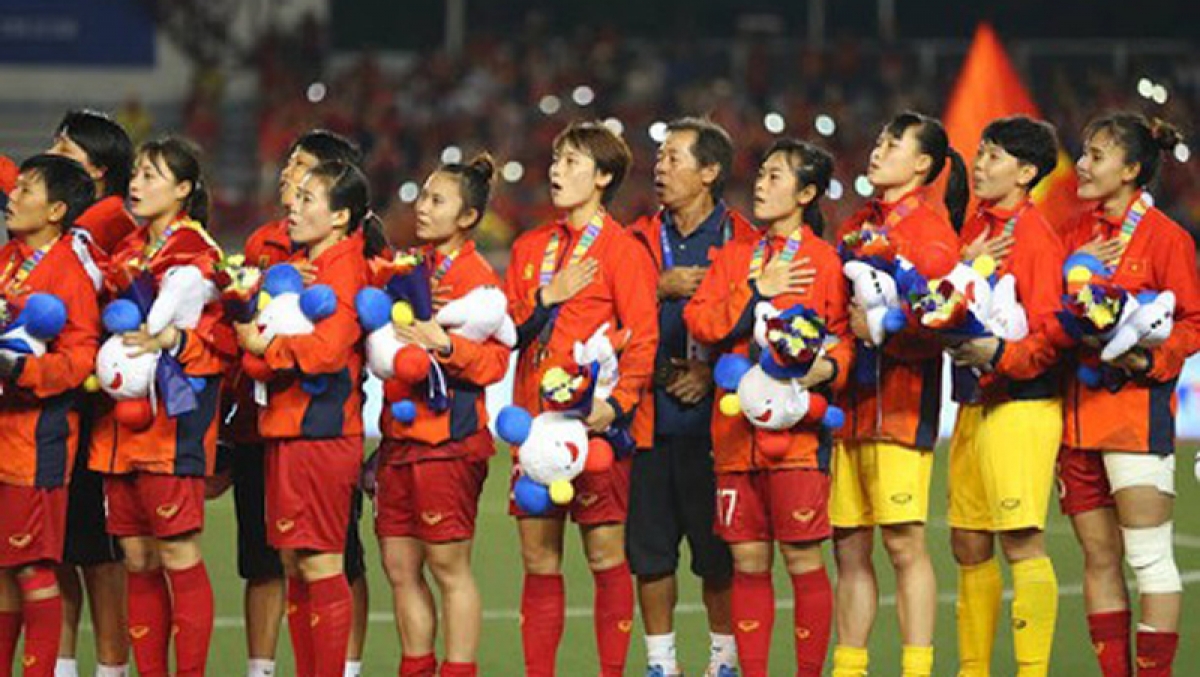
(603, 350)
(479, 315)
(182, 295)
(875, 291)
(554, 445)
(40, 321)
(963, 304)
(768, 393)
(288, 308)
(127, 379)
(870, 246)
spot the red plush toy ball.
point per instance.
(134, 414)
(599, 457)
(395, 390)
(411, 364)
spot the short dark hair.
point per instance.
(712, 146)
(608, 149)
(328, 146)
(66, 181)
(1144, 141)
(105, 143)
(1030, 141)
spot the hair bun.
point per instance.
(1165, 134)
(484, 166)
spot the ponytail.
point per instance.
(957, 192)
(1144, 141)
(348, 189)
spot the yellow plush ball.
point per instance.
(92, 384)
(985, 265)
(730, 406)
(402, 314)
(1079, 275)
(263, 299)
(561, 492)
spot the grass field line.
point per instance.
(945, 597)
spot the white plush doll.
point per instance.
(481, 314)
(875, 292)
(1147, 325)
(126, 379)
(288, 308)
(182, 295)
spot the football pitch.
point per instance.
(498, 568)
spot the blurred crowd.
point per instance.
(511, 96)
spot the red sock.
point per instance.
(543, 609)
(10, 632)
(149, 621)
(332, 606)
(613, 617)
(418, 666)
(813, 619)
(299, 626)
(1110, 639)
(459, 669)
(192, 617)
(753, 621)
(43, 622)
(1156, 653)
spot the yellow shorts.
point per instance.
(1002, 460)
(876, 483)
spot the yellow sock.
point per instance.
(1034, 612)
(849, 661)
(917, 661)
(980, 588)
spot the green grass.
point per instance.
(498, 567)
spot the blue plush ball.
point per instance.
(1147, 297)
(513, 423)
(404, 411)
(894, 320)
(531, 497)
(122, 316)
(282, 278)
(730, 369)
(43, 316)
(374, 308)
(834, 418)
(318, 302)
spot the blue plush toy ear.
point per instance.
(43, 316)
(318, 302)
(374, 307)
(532, 498)
(909, 280)
(513, 424)
(282, 278)
(122, 316)
(730, 369)
(834, 418)
(1088, 261)
(894, 320)
(1147, 297)
(404, 411)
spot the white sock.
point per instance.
(660, 651)
(722, 649)
(66, 667)
(353, 669)
(112, 670)
(260, 667)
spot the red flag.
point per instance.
(987, 88)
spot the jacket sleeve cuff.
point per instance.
(612, 402)
(998, 356)
(530, 328)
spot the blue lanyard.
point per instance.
(668, 255)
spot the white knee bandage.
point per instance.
(1150, 552)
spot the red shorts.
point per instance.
(789, 505)
(435, 500)
(600, 497)
(32, 524)
(309, 487)
(1082, 482)
(151, 504)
